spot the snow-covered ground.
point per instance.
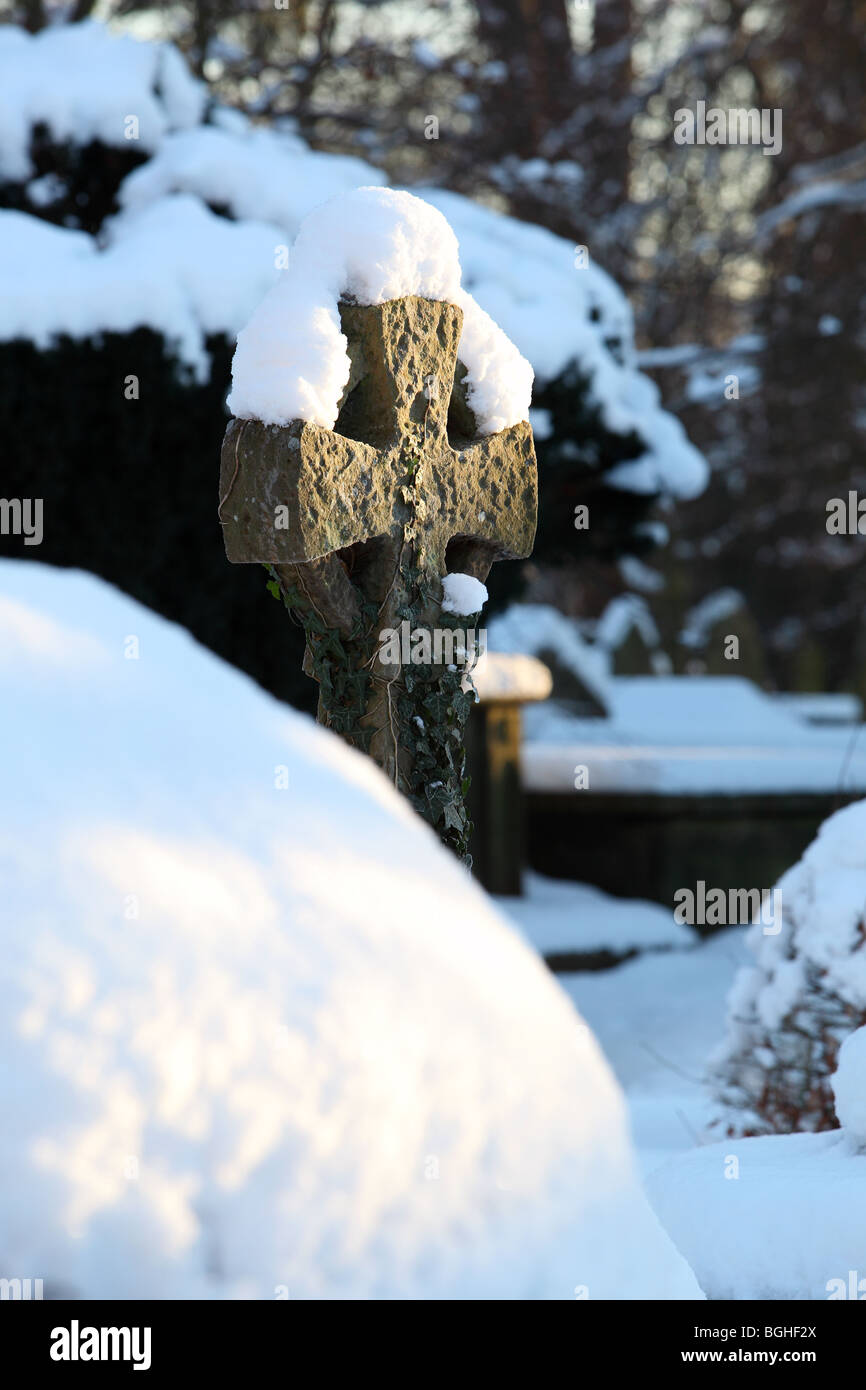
(670, 734)
(562, 918)
(658, 1018)
(771, 1217)
(260, 1031)
(774, 1217)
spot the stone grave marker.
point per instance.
(358, 527)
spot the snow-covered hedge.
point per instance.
(849, 1086)
(172, 263)
(789, 1013)
(262, 1036)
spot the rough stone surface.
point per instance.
(403, 485)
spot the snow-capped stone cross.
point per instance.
(362, 522)
(303, 495)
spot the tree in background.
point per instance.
(779, 311)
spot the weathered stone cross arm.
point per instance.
(297, 493)
(304, 492)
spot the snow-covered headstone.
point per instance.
(380, 460)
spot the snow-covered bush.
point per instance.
(790, 1012)
(262, 1037)
(79, 110)
(849, 1086)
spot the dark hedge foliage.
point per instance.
(84, 181)
(130, 490)
(573, 463)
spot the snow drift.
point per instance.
(263, 1037)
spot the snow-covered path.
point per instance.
(657, 1018)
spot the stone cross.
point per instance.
(359, 524)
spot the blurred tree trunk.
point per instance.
(532, 39)
(607, 94)
(203, 26)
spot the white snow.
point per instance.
(789, 1216)
(828, 193)
(261, 1039)
(781, 1217)
(370, 245)
(623, 614)
(821, 940)
(463, 594)
(564, 918)
(658, 1019)
(790, 1225)
(165, 268)
(255, 173)
(849, 1086)
(640, 576)
(682, 734)
(824, 897)
(715, 608)
(543, 631)
(505, 676)
(83, 82)
(822, 706)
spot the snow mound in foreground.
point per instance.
(263, 1037)
(781, 1216)
(372, 245)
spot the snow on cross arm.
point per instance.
(370, 245)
